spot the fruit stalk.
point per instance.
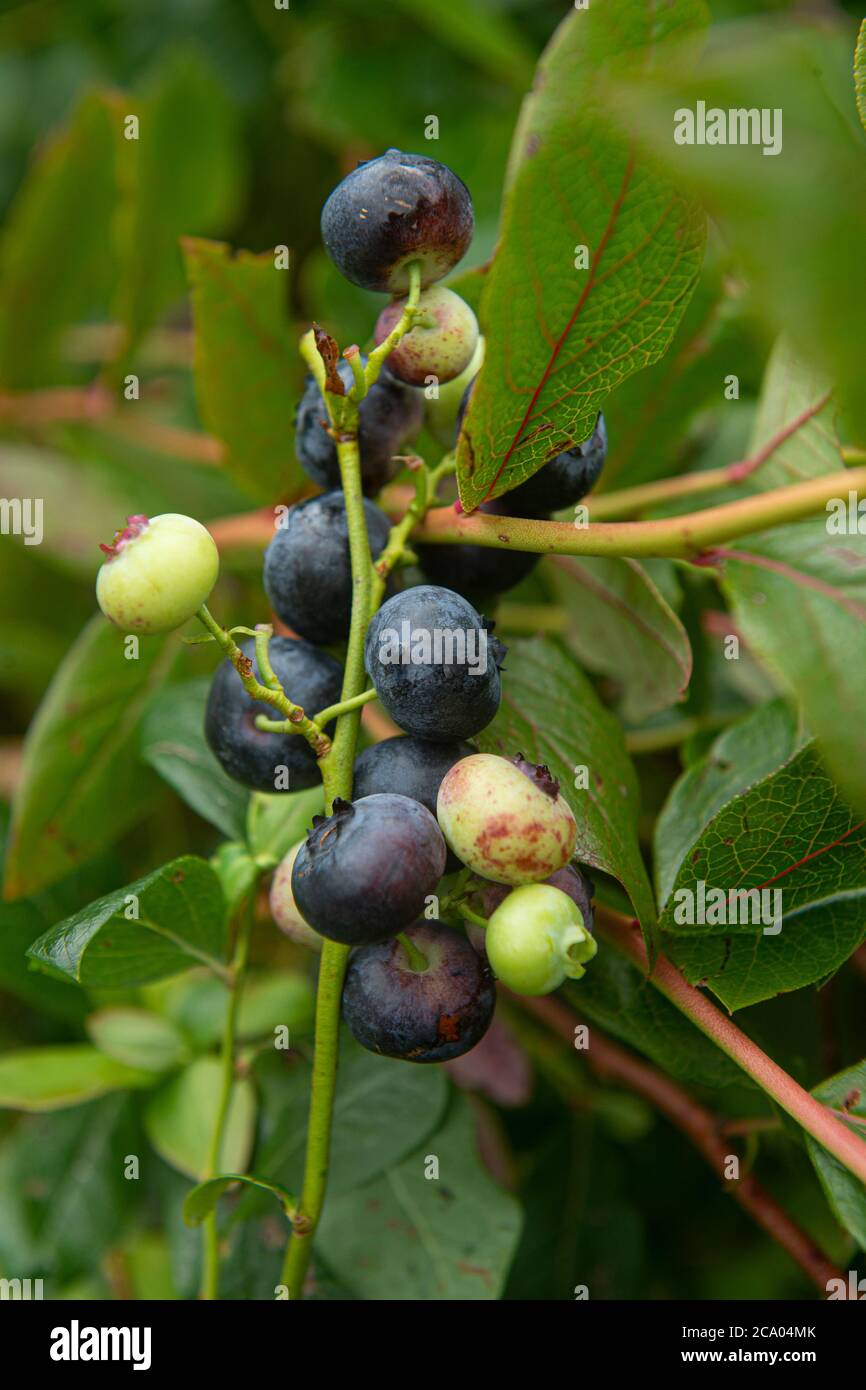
(295, 721)
(678, 537)
(816, 1119)
(210, 1265)
(336, 770)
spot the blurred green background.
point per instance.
(257, 113)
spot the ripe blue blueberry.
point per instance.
(566, 479)
(388, 416)
(393, 210)
(310, 677)
(411, 767)
(426, 1015)
(308, 573)
(434, 663)
(365, 871)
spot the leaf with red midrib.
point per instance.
(559, 339)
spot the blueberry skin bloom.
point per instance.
(307, 571)
(393, 210)
(430, 1015)
(365, 871)
(310, 677)
(566, 479)
(410, 767)
(389, 414)
(434, 663)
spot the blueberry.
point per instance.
(429, 1015)
(157, 573)
(308, 573)
(506, 819)
(411, 767)
(479, 571)
(310, 677)
(393, 210)
(434, 663)
(365, 871)
(389, 414)
(566, 479)
(442, 345)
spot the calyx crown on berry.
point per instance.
(539, 774)
(134, 527)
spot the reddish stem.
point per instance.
(613, 1063)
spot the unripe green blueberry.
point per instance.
(505, 819)
(440, 412)
(442, 344)
(536, 939)
(159, 572)
(284, 909)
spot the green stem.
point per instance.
(336, 768)
(333, 711)
(263, 634)
(417, 960)
(210, 1268)
(470, 914)
(337, 776)
(681, 537)
(293, 714)
(816, 1119)
(376, 359)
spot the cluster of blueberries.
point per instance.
(425, 803)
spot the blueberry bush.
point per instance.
(435, 854)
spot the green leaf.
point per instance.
(181, 1115)
(792, 390)
(196, 1004)
(63, 1193)
(559, 338)
(860, 73)
(794, 837)
(649, 416)
(616, 996)
(246, 367)
(382, 1111)
(791, 829)
(50, 1078)
(814, 941)
(409, 1236)
(180, 175)
(620, 626)
(203, 1199)
(845, 1091)
(81, 786)
(172, 741)
(275, 824)
(742, 755)
(551, 714)
(56, 256)
(137, 1038)
(798, 597)
(815, 292)
(161, 924)
(26, 919)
